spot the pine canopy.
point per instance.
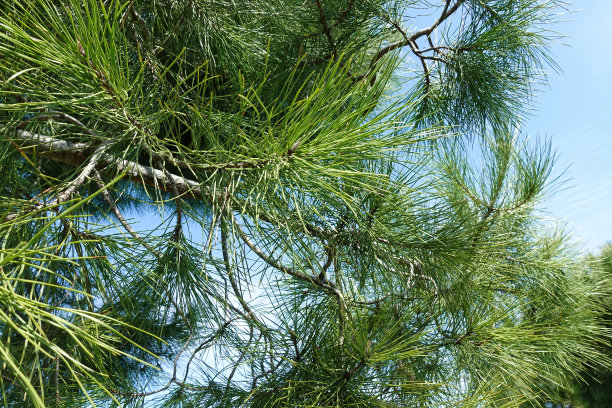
(281, 203)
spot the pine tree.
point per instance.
(238, 203)
(595, 390)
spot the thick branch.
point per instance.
(76, 154)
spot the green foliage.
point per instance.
(595, 392)
(300, 235)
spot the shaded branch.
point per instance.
(326, 28)
(345, 13)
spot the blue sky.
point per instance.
(575, 113)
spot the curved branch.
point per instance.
(318, 281)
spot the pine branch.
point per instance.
(76, 154)
(446, 13)
(318, 281)
(93, 162)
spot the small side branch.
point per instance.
(59, 116)
(111, 203)
(71, 188)
(446, 13)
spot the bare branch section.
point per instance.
(76, 154)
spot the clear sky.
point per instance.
(575, 113)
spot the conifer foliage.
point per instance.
(237, 203)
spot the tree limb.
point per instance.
(76, 154)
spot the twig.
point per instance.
(349, 374)
(447, 12)
(58, 399)
(205, 344)
(58, 115)
(109, 200)
(322, 282)
(230, 275)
